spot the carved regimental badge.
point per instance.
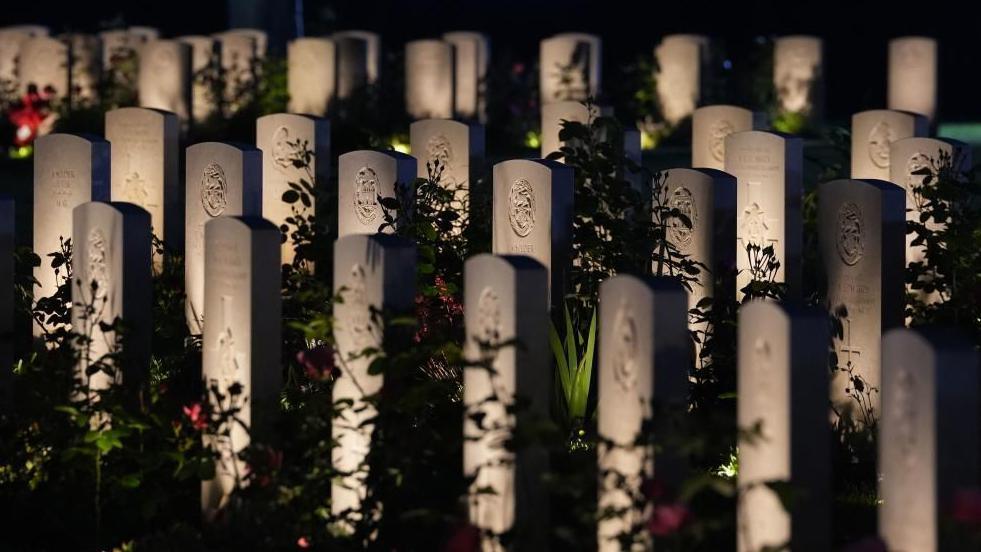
(625, 349)
(98, 266)
(917, 168)
(880, 137)
(282, 150)
(717, 138)
(851, 233)
(680, 232)
(904, 414)
(366, 195)
(214, 190)
(228, 357)
(439, 151)
(521, 207)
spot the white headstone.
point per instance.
(554, 113)
(429, 79)
(143, 35)
(472, 57)
(873, 132)
(710, 126)
(10, 41)
(256, 36)
(44, 63)
(239, 67)
(362, 178)
(220, 180)
(204, 68)
(928, 435)
(913, 75)
(372, 45)
(784, 431)
(310, 75)
(457, 148)
(569, 67)
(680, 60)
(798, 72)
(86, 53)
(165, 77)
(119, 44)
(240, 344)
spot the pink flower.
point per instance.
(667, 519)
(518, 68)
(966, 507)
(868, 544)
(197, 416)
(466, 538)
(303, 542)
(318, 363)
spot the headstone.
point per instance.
(44, 62)
(145, 168)
(928, 436)
(362, 178)
(532, 216)
(506, 319)
(372, 45)
(472, 56)
(458, 149)
(239, 66)
(798, 73)
(121, 43)
(112, 279)
(86, 67)
(165, 78)
(860, 230)
(784, 432)
(429, 79)
(310, 75)
(873, 132)
(69, 170)
(707, 198)
(258, 37)
(913, 75)
(143, 35)
(204, 64)
(10, 42)
(569, 67)
(554, 113)
(680, 59)
(643, 366)
(285, 139)
(7, 248)
(769, 170)
(710, 126)
(241, 343)
(352, 65)
(31, 30)
(220, 180)
(370, 274)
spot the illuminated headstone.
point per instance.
(372, 47)
(68, 170)
(506, 319)
(239, 68)
(784, 431)
(44, 63)
(165, 78)
(913, 75)
(258, 37)
(86, 68)
(707, 198)
(284, 139)
(118, 44)
(112, 279)
(554, 113)
(643, 364)
(769, 169)
(10, 42)
(240, 344)
(220, 180)
(144, 35)
(710, 126)
(429, 79)
(873, 132)
(204, 68)
(680, 59)
(362, 178)
(798, 74)
(310, 75)
(370, 274)
(459, 150)
(532, 216)
(860, 230)
(145, 168)
(569, 66)
(472, 56)
(928, 434)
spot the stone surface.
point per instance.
(554, 113)
(928, 435)
(798, 74)
(372, 46)
(69, 170)
(204, 67)
(221, 179)
(370, 274)
(860, 231)
(680, 60)
(768, 168)
(873, 132)
(364, 176)
(913, 75)
(643, 380)
(239, 66)
(710, 126)
(570, 67)
(256, 36)
(240, 344)
(165, 77)
(86, 69)
(112, 279)
(471, 52)
(310, 75)
(505, 303)
(783, 412)
(532, 215)
(44, 63)
(429, 79)
(11, 39)
(285, 138)
(458, 148)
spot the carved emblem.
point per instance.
(366, 195)
(98, 265)
(904, 414)
(625, 349)
(282, 149)
(851, 233)
(679, 231)
(214, 190)
(439, 150)
(754, 224)
(717, 138)
(916, 168)
(488, 318)
(135, 188)
(359, 311)
(521, 207)
(228, 357)
(880, 137)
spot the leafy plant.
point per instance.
(574, 359)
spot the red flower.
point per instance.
(303, 542)
(197, 416)
(967, 506)
(29, 114)
(466, 538)
(518, 68)
(868, 544)
(318, 363)
(667, 519)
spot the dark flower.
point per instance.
(667, 519)
(318, 363)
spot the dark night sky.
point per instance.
(855, 31)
